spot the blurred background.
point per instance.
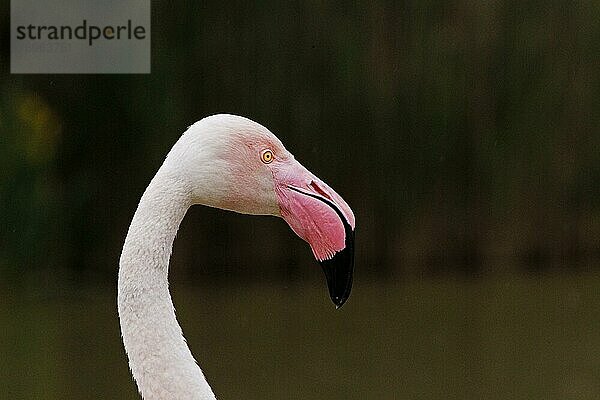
(465, 136)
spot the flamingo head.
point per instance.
(233, 163)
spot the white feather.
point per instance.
(197, 170)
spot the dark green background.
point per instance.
(465, 135)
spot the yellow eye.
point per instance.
(267, 156)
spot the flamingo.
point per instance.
(232, 163)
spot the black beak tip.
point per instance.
(339, 301)
(339, 272)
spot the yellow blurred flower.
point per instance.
(41, 128)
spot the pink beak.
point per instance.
(320, 216)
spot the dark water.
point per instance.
(501, 338)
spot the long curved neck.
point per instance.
(159, 357)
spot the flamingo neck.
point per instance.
(159, 358)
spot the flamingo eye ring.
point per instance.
(267, 156)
